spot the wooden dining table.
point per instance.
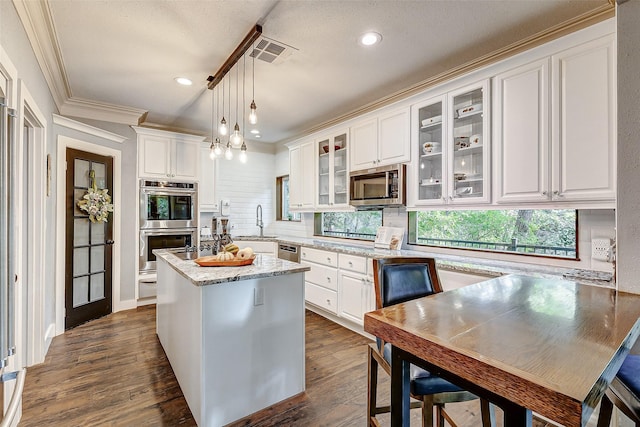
(524, 343)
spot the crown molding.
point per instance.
(87, 109)
(88, 129)
(37, 21)
(38, 24)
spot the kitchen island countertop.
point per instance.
(263, 266)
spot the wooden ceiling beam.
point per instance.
(244, 45)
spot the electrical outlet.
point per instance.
(600, 247)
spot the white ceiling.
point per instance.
(127, 52)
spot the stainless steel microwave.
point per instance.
(381, 186)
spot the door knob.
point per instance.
(109, 242)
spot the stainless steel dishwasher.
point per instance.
(289, 252)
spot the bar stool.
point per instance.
(399, 280)
(624, 392)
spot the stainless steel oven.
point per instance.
(168, 204)
(151, 239)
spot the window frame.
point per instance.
(412, 239)
(280, 202)
(318, 221)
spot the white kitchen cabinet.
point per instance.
(321, 282)
(364, 137)
(381, 141)
(163, 155)
(583, 124)
(332, 185)
(521, 112)
(558, 148)
(451, 143)
(206, 187)
(302, 191)
(355, 288)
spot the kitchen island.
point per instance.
(234, 336)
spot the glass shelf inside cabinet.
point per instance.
(468, 162)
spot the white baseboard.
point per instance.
(125, 305)
(48, 337)
(146, 301)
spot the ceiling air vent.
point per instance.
(271, 51)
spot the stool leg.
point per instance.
(372, 387)
(427, 411)
(606, 409)
(488, 413)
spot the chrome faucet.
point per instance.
(259, 222)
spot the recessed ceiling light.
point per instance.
(183, 81)
(255, 131)
(371, 38)
(257, 136)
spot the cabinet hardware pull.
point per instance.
(328, 302)
(544, 193)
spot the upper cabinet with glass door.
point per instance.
(429, 176)
(451, 143)
(468, 144)
(333, 173)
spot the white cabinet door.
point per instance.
(185, 160)
(332, 185)
(352, 299)
(468, 144)
(301, 177)
(154, 156)
(206, 186)
(584, 125)
(521, 134)
(364, 139)
(307, 198)
(295, 178)
(394, 137)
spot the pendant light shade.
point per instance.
(243, 153)
(228, 154)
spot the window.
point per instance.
(282, 201)
(352, 225)
(549, 232)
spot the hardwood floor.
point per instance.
(113, 372)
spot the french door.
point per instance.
(88, 253)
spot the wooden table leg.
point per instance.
(400, 404)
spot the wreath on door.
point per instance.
(96, 202)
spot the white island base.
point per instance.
(232, 356)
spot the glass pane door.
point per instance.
(468, 148)
(430, 152)
(340, 176)
(323, 152)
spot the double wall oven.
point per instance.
(168, 219)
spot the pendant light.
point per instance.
(228, 154)
(243, 148)
(236, 138)
(223, 123)
(253, 116)
(215, 150)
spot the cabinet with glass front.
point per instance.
(333, 173)
(452, 161)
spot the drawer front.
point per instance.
(326, 277)
(322, 297)
(357, 264)
(320, 257)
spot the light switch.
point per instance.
(258, 296)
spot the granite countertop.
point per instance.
(456, 263)
(263, 266)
